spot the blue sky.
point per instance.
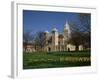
(34, 21)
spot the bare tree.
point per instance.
(77, 38)
(81, 34)
(40, 40)
(27, 37)
(85, 20)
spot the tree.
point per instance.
(27, 37)
(85, 20)
(80, 34)
(40, 40)
(76, 39)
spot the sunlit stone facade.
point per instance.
(56, 41)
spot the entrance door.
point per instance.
(68, 49)
(49, 49)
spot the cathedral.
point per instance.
(56, 41)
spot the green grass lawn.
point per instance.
(56, 59)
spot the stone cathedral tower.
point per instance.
(54, 39)
(67, 31)
(46, 36)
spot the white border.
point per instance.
(17, 30)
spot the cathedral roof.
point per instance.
(54, 29)
(46, 31)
